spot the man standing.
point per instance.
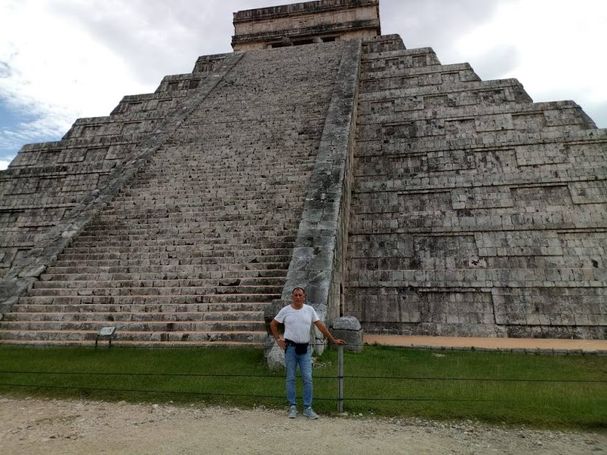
(298, 319)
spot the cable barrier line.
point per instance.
(169, 375)
(281, 376)
(150, 391)
(431, 378)
(237, 395)
(160, 392)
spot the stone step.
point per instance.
(180, 228)
(166, 308)
(190, 188)
(167, 242)
(240, 250)
(169, 264)
(211, 210)
(192, 205)
(152, 299)
(130, 343)
(153, 272)
(281, 241)
(205, 257)
(106, 316)
(154, 291)
(210, 245)
(211, 206)
(225, 218)
(135, 326)
(168, 224)
(141, 337)
(219, 178)
(219, 169)
(76, 281)
(201, 197)
(256, 172)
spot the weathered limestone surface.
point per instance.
(200, 239)
(304, 23)
(49, 185)
(318, 259)
(409, 194)
(475, 211)
(348, 328)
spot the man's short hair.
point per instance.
(298, 289)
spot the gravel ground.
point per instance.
(35, 426)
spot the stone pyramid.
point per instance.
(322, 154)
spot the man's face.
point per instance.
(299, 297)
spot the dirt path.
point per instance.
(34, 426)
(498, 344)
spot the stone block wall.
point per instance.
(306, 22)
(475, 211)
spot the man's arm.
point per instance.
(277, 336)
(323, 329)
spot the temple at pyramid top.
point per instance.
(306, 23)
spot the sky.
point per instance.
(65, 59)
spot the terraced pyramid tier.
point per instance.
(474, 210)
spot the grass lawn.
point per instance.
(539, 390)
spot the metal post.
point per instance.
(340, 379)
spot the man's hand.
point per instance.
(277, 336)
(323, 329)
(281, 343)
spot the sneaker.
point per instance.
(292, 412)
(310, 414)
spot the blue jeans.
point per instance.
(305, 367)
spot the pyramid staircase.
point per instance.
(474, 211)
(197, 244)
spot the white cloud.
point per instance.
(558, 45)
(4, 164)
(55, 71)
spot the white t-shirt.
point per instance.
(297, 322)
